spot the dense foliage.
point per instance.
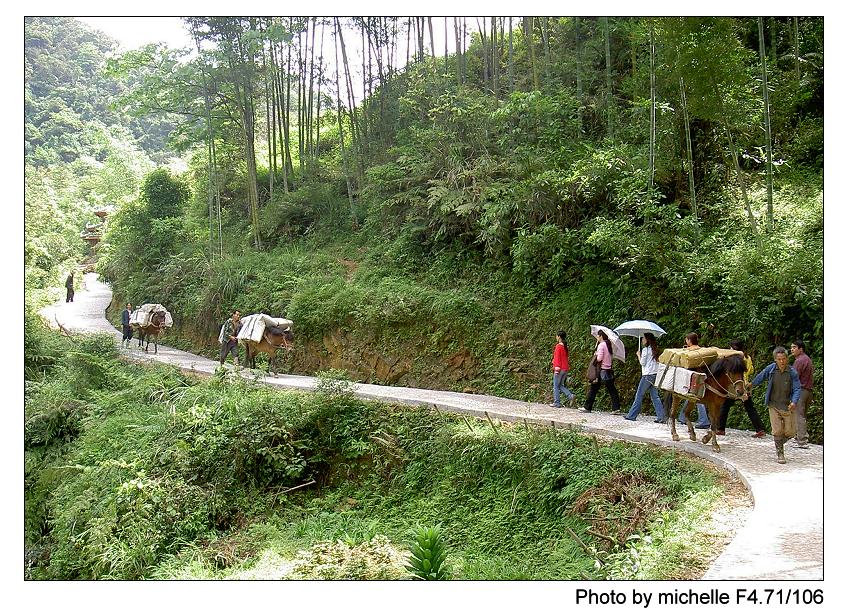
(81, 152)
(135, 472)
(467, 220)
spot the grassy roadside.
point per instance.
(144, 473)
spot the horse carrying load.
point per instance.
(261, 333)
(709, 375)
(150, 320)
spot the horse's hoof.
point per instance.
(716, 449)
(693, 437)
(706, 439)
(676, 438)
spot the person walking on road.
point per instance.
(69, 288)
(603, 356)
(804, 367)
(703, 421)
(229, 342)
(125, 325)
(756, 421)
(560, 364)
(649, 363)
(782, 394)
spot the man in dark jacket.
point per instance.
(804, 367)
(125, 325)
(782, 393)
(69, 286)
(229, 342)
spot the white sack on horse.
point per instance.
(682, 381)
(253, 326)
(141, 316)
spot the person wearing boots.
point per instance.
(782, 394)
(125, 325)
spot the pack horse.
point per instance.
(262, 333)
(709, 377)
(150, 321)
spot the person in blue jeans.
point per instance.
(648, 361)
(703, 419)
(560, 364)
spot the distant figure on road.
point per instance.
(782, 394)
(560, 363)
(125, 325)
(804, 367)
(229, 342)
(69, 286)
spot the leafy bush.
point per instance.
(163, 194)
(42, 347)
(238, 441)
(537, 118)
(334, 383)
(376, 559)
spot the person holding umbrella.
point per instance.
(603, 356)
(646, 332)
(648, 361)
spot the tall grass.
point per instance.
(149, 474)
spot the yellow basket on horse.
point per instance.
(695, 358)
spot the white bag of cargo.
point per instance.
(681, 381)
(253, 326)
(141, 316)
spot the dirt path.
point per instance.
(782, 539)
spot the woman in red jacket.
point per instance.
(560, 363)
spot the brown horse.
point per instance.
(273, 339)
(153, 329)
(724, 380)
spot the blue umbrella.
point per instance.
(638, 327)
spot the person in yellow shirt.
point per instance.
(756, 421)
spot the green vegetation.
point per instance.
(432, 227)
(137, 472)
(428, 551)
(441, 231)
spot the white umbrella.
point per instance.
(638, 327)
(617, 344)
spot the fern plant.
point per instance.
(428, 554)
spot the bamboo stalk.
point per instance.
(491, 422)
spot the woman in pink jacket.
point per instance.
(603, 356)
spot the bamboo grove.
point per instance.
(289, 85)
